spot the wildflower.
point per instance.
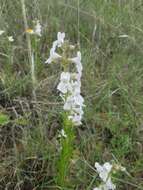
(75, 86)
(77, 61)
(62, 134)
(38, 29)
(53, 56)
(103, 170)
(73, 102)
(10, 39)
(60, 38)
(107, 186)
(76, 119)
(58, 43)
(1, 32)
(64, 84)
(97, 188)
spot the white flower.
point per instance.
(75, 77)
(78, 100)
(69, 103)
(101, 187)
(38, 28)
(60, 38)
(10, 39)
(75, 87)
(123, 169)
(62, 134)
(105, 187)
(76, 119)
(55, 43)
(77, 61)
(77, 110)
(64, 84)
(97, 188)
(103, 170)
(1, 32)
(109, 184)
(53, 56)
(73, 102)
(58, 43)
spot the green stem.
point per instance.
(67, 147)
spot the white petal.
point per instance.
(107, 166)
(10, 38)
(53, 56)
(123, 36)
(65, 76)
(76, 119)
(60, 38)
(103, 173)
(63, 87)
(1, 32)
(103, 176)
(62, 133)
(38, 28)
(79, 100)
(110, 184)
(97, 188)
(77, 61)
(98, 167)
(55, 43)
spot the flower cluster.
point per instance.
(69, 87)
(105, 172)
(70, 82)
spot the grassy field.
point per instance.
(110, 35)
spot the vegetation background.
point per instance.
(111, 39)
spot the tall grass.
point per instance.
(30, 53)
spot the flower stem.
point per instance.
(67, 147)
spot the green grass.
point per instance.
(112, 85)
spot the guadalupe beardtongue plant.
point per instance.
(69, 88)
